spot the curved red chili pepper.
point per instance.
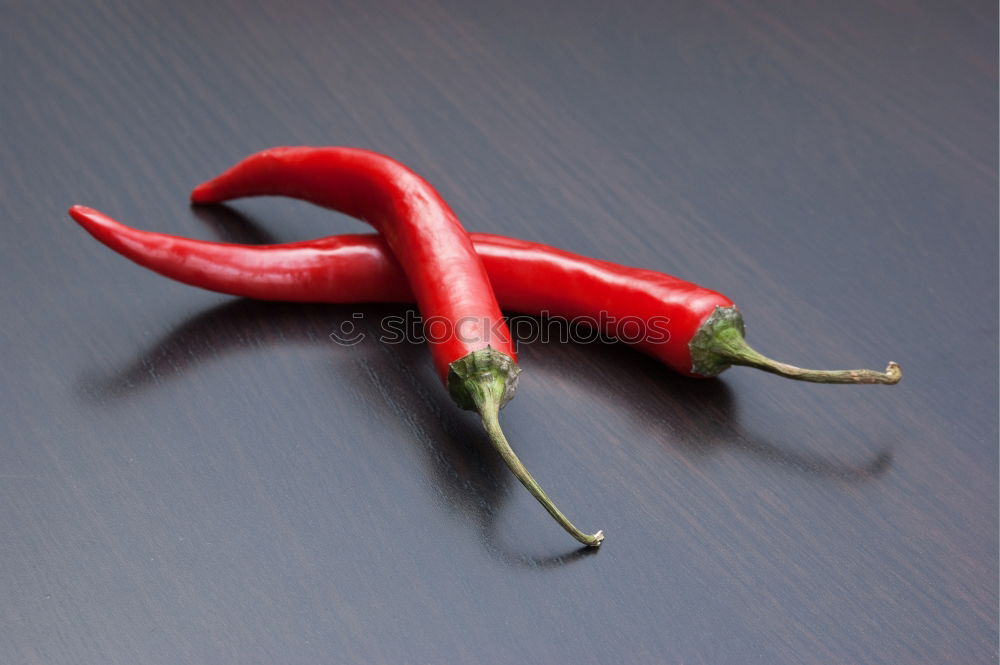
(704, 327)
(474, 355)
(448, 279)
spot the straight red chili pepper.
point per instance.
(705, 327)
(476, 358)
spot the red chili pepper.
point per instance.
(474, 355)
(434, 250)
(705, 327)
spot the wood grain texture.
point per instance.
(187, 478)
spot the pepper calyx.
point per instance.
(483, 370)
(704, 346)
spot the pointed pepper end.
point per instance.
(203, 193)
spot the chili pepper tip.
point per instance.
(90, 219)
(202, 193)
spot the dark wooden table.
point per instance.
(190, 478)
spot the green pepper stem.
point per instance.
(738, 352)
(483, 381)
(731, 346)
(719, 343)
(489, 411)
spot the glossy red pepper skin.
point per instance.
(423, 244)
(471, 345)
(705, 327)
(529, 278)
(448, 280)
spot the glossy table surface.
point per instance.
(187, 477)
